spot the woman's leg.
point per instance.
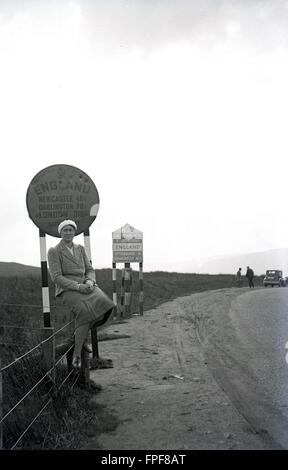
(103, 320)
(80, 334)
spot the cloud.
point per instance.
(146, 25)
(115, 24)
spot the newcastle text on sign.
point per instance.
(127, 245)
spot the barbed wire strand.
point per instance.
(42, 409)
(35, 347)
(33, 388)
(77, 376)
(32, 422)
(31, 305)
(71, 347)
(23, 398)
(62, 357)
(21, 327)
(47, 374)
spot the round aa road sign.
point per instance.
(61, 192)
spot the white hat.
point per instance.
(66, 222)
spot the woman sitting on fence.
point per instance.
(74, 279)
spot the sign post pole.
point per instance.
(122, 291)
(87, 244)
(114, 282)
(94, 333)
(141, 292)
(127, 247)
(44, 276)
(127, 299)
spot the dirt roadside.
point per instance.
(161, 388)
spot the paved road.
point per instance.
(246, 353)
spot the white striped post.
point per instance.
(87, 244)
(44, 276)
(114, 282)
(94, 335)
(141, 291)
(127, 295)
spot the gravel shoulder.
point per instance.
(161, 388)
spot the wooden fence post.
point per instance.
(49, 350)
(84, 376)
(2, 332)
(1, 406)
(69, 359)
(94, 340)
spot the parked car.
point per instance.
(274, 277)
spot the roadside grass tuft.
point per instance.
(69, 419)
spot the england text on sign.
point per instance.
(61, 192)
(127, 245)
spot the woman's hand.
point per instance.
(91, 284)
(85, 288)
(91, 287)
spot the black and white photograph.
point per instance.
(144, 228)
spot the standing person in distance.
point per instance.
(74, 279)
(239, 277)
(250, 276)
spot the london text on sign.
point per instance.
(61, 192)
(127, 245)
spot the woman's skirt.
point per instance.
(94, 309)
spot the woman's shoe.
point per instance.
(76, 362)
(87, 347)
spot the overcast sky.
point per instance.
(176, 109)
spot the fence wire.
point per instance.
(43, 408)
(35, 347)
(36, 385)
(32, 305)
(47, 374)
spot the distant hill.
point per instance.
(259, 261)
(17, 269)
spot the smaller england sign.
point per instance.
(127, 245)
